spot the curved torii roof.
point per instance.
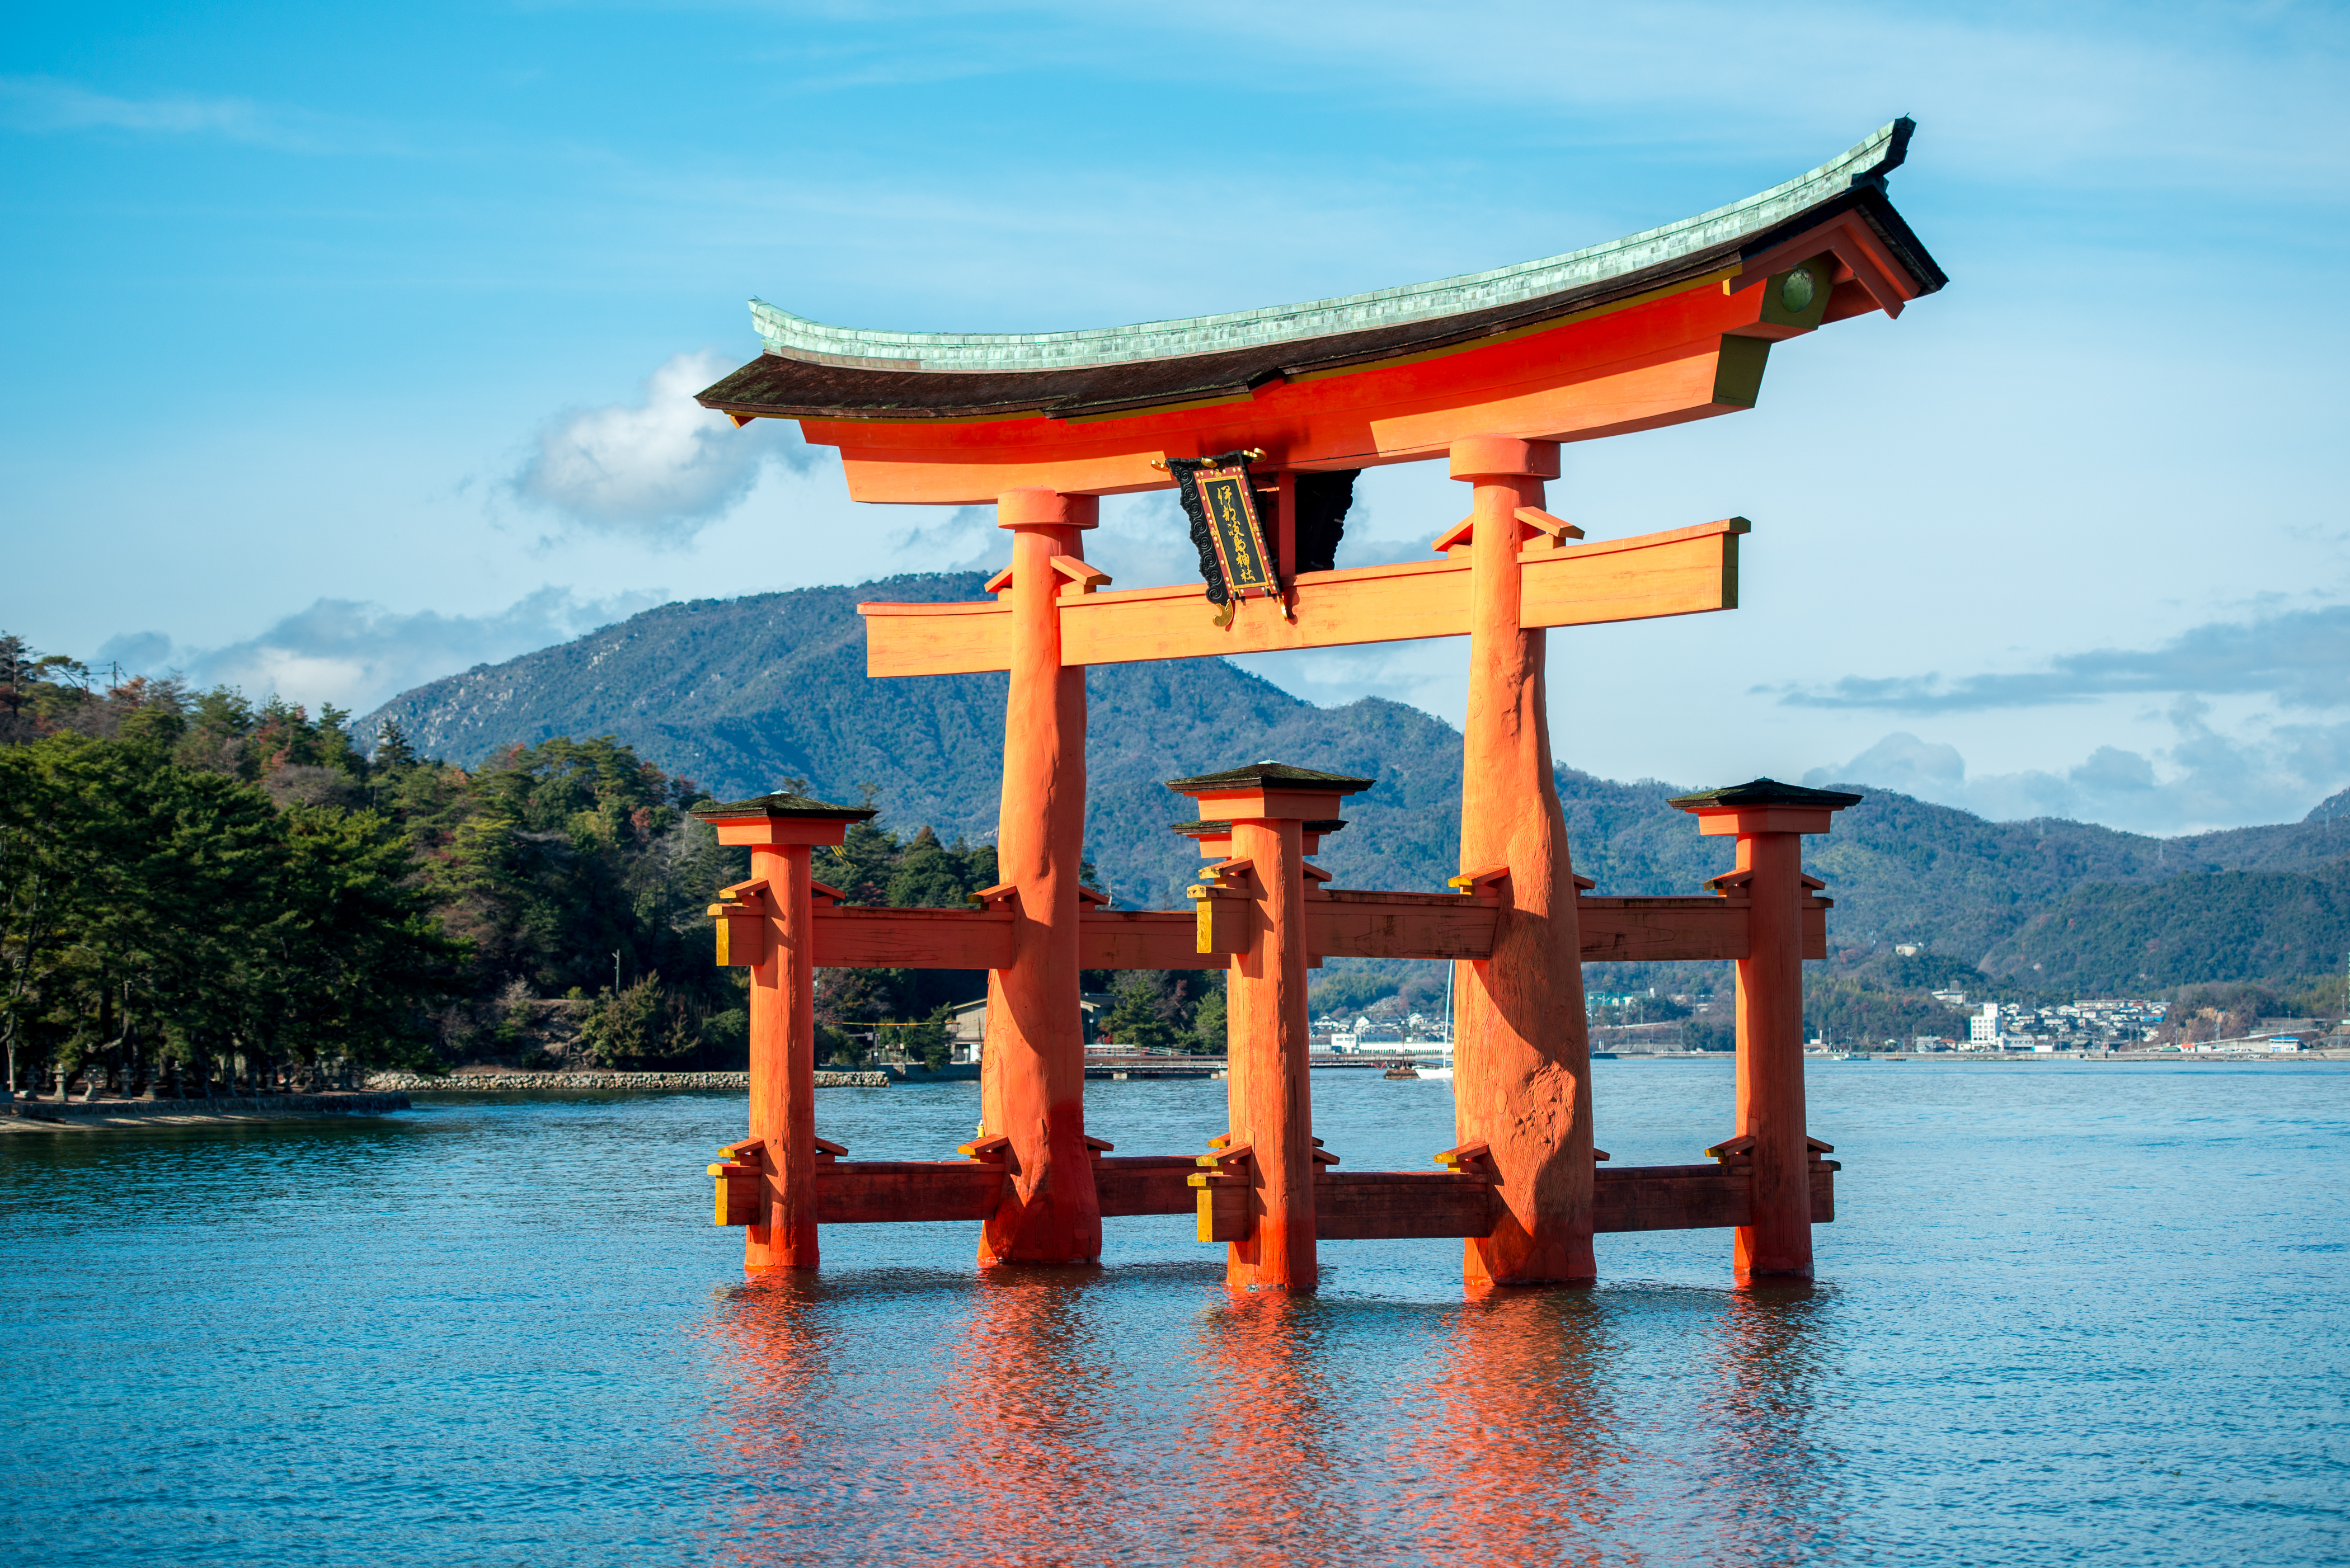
(1039, 407)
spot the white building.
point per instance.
(1982, 1028)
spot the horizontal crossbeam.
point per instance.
(1349, 1206)
(1683, 571)
(1339, 923)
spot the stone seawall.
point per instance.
(477, 1082)
(223, 1107)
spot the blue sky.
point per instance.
(346, 347)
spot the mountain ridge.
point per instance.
(740, 695)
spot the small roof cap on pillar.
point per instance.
(784, 803)
(1270, 775)
(1766, 792)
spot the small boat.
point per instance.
(1403, 1070)
(1850, 1056)
(1440, 1068)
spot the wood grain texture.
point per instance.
(867, 938)
(1145, 1184)
(1681, 571)
(1349, 924)
(1391, 1205)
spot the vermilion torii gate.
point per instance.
(1491, 371)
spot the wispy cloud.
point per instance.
(358, 654)
(2300, 658)
(42, 104)
(663, 465)
(2206, 778)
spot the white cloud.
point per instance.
(42, 104)
(356, 655)
(662, 465)
(2205, 779)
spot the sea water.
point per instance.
(2067, 1313)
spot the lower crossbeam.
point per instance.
(1351, 1206)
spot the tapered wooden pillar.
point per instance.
(1033, 1064)
(1769, 819)
(777, 923)
(1269, 1096)
(1522, 1056)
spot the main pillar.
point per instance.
(1032, 1064)
(1522, 1056)
(1267, 1051)
(1769, 819)
(777, 923)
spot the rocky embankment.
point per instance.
(476, 1083)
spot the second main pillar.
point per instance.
(1522, 1054)
(1033, 1062)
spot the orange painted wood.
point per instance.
(1142, 938)
(1342, 922)
(1660, 930)
(741, 1194)
(1270, 1098)
(1387, 1205)
(1521, 1076)
(1033, 1070)
(1145, 1184)
(882, 1192)
(867, 938)
(783, 1053)
(1634, 364)
(1777, 1239)
(1226, 1212)
(1347, 923)
(1681, 571)
(1220, 926)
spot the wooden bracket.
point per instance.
(1732, 882)
(743, 1153)
(747, 894)
(1093, 896)
(1815, 1148)
(998, 583)
(1455, 538)
(825, 890)
(1558, 528)
(740, 1197)
(1082, 576)
(1470, 1160)
(1487, 885)
(1098, 1146)
(1601, 1154)
(1004, 893)
(1739, 1151)
(830, 1149)
(1232, 1162)
(996, 1150)
(1584, 884)
(1323, 1156)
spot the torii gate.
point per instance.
(1491, 371)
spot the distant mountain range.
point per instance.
(742, 693)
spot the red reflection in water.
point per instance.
(1518, 1461)
(1054, 1414)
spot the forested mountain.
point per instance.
(742, 692)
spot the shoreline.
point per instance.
(94, 1116)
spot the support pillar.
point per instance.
(1769, 819)
(1267, 1051)
(1521, 1055)
(1032, 1064)
(776, 924)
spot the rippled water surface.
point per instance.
(2067, 1313)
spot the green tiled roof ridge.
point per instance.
(796, 336)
